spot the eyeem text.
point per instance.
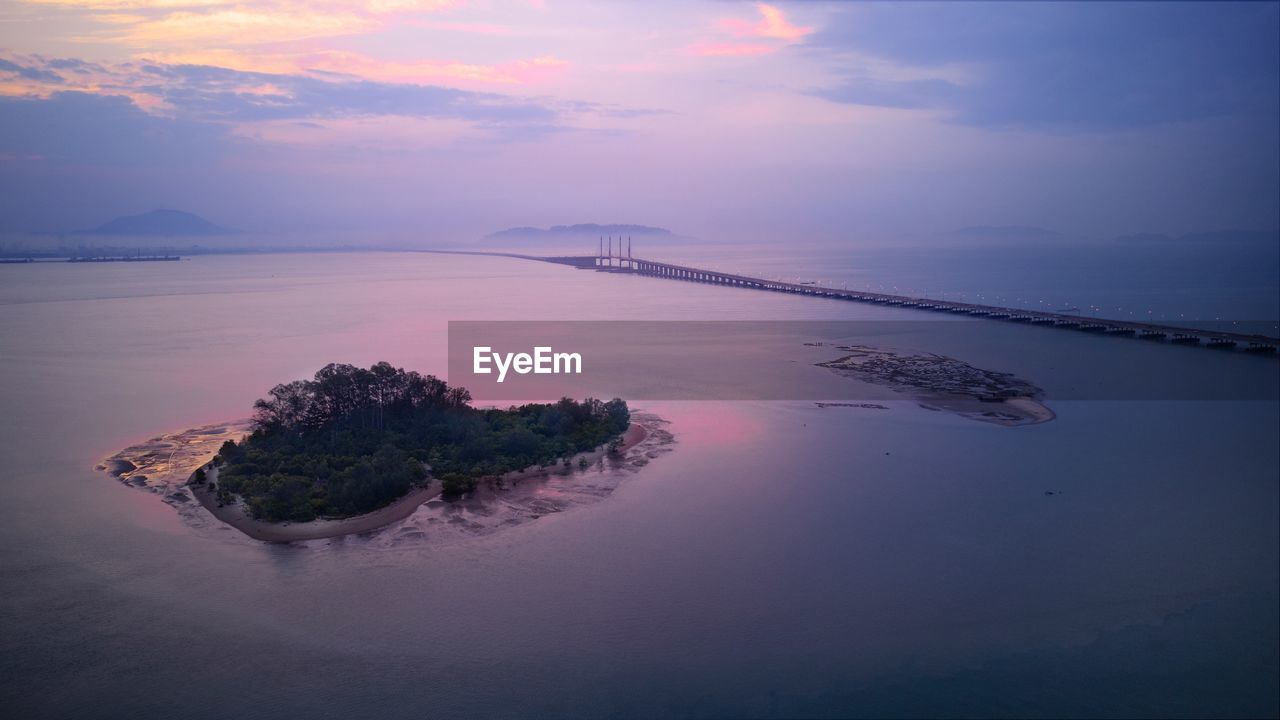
(542, 362)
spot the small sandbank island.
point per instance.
(937, 382)
(355, 450)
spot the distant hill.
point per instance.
(1008, 232)
(582, 230)
(159, 223)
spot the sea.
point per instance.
(781, 559)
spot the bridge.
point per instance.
(619, 260)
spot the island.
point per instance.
(395, 457)
(353, 440)
(159, 223)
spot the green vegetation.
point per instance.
(352, 440)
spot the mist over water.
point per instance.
(782, 559)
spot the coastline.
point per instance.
(236, 516)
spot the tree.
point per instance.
(286, 408)
(351, 440)
(455, 484)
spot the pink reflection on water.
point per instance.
(709, 423)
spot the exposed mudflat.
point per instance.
(164, 463)
(942, 383)
(496, 506)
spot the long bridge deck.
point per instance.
(1147, 331)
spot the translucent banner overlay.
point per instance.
(849, 361)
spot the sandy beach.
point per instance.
(238, 517)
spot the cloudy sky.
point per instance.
(452, 118)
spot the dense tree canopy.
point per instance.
(352, 440)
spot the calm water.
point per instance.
(782, 560)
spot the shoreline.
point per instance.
(319, 529)
(402, 508)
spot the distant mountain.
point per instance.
(1008, 232)
(582, 230)
(159, 223)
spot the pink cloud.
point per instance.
(775, 25)
(173, 24)
(528, 71)
(771, 32)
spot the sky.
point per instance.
(434, 120)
